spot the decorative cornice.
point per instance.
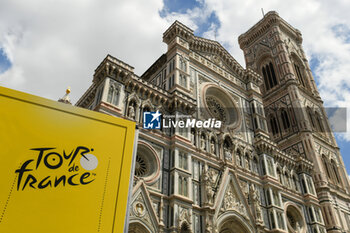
(214, 47)
(177, 29)
(210, 46)
(270, 19)
(265, 145)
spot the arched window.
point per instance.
(272, 70)
(325, 160)
(269, 76)
(183, 186)
(299, 74)
(319, 122)
(274, 126)
(266, 81)
(183, 161)
(311, 117)
(183, 64)
(285, 119)
(335, 170)
(113, 94)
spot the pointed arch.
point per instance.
(138, 227)
(113, 92)
(325, 166)
(269, 75)
(285, 119)
(311, 117)
(141, 206)
(319, 123)
(299, 70)
(231, 203)
(273, 124)
(335, 171)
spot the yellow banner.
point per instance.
(63, 169)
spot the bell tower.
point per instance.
(295, 114)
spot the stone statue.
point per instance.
(238, 159)
(255, 200)
(131, 111)
(203, 145)
(227, 154)
(212, 147)
(193, 137)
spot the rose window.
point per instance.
(147, 164)
(295, 220)
(220, 105)
(141, 166)
(216, 109)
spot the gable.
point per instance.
(231, 198)
(142, 208)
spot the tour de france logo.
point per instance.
(60, 168)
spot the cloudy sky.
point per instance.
(47, 45)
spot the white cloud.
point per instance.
(57, 44)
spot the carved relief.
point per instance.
(184, 216)
(232, 202)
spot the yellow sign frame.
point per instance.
(27, 123)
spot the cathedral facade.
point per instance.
(272, 166)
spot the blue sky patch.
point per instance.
(5, 63)
(344, 151)
(179, 6)
(314, 63)
(182, 6)
(342, 32)
(205, 26)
